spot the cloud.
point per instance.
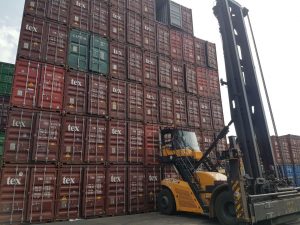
(9, 37)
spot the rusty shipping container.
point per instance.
(148, 9)
(202, 82)
(214, 85)
(134, 28)
(176, 44)
(69, 189)
(118, 60)
(19, 136)
(117, 24)
(153, 177)
(217, 115)
(135, 142)
(281, 150)
(94, 191)
(79, 14)
(207, 138)
(118, 3)
(136, 189)
(58, 10)
(150, 69)
(191, 79)
(116, 185)
(135, 64)
(135, 102)
(187, 20)
(134, 5)
(97, 95)
(75, 92)
(47, 137)
(178, 76)
(166, 107)
(200, 52)
(99, 18)
(205, 114)
(151, 105)
(188, 48)
(164, 72)
(211, 55)
(41, 194)
(149, 35)
(152, 152)
(72, 144)
(163, 39)
(180, 110)
(193, 111)
(117, 139)
(117, 96)
(36, 8)
(95, 146)
(4, 107)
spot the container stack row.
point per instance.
(287, 155)
(94, 83)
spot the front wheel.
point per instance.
(166, 202)
(225, 209)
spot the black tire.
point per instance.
(224, 209)
(166, 202)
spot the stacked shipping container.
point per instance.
(94, 83)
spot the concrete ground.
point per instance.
(148, 219)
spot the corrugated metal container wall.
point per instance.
(72, 144)
(294, 144)
(200, 52)
(117, 23)
(214, 84)
(202, 82)
(205, 114)
(151, 100)
(2, 139)
(193, 111)
(211, 55)
(168, 171)
(149, 35)
(118, 60)
(59, 10)
(118, 3)
(117, 139)
(148, 9)
(163, 39)
(175, 14)
(176, 44)
(47, 137)
(116, 190)
(134, 28)
(166, 107)
(188, 48)
(41, 194)
(135, 64)
(152, 144)
(4, 107)
(99, 18)
(117, 97)
(217, 115)
(79, 14)
(191, 79)
(281, 149)
(99, 55)
(97, 95)
(187, 20)
(135, 142)
(14, 189)
(19, 136)
(164, 72)
(153, 177)
(95, 146)
(136, 189)
(6, 78)
(180, 114)
(36, 8)
(94, 191)
(135, 102)
(178, 76)
(207, 138)
(150, 68)
(68, 205)
(134, 5)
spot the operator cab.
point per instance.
(180, 143)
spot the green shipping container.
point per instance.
(99, 56)
(2, 136)
(6, 78)
(78, 50)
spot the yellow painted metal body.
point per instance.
(197, 155)
(184, 196)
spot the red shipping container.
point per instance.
(69, 192)
(99, 18)
(59, 10)
(118, 3)
(26, 79)
(116, 180)
(153, 177)
(51, 87)
(200, 52)
(187, 20)
(164, 72)
(281, 149)
(176, 44)
(135, 102)
(13, 194)
(188, 48)
(214, 84)
(4, 106)
(79, 14)
(193, 111)
(72, 146)
(163, 39)
(93, 196)
(19, 136)
(135, 142)
(31, 38)
(56, 42)
(41, 195)
(178, 76)
(205, 114)
(117, 24)
(166, 107)
(47, 136)
(37, 8)
(152, 151)
(180, 115)
(148, 9)
(207, 139)
(217, 115)
(117, 139)
(150, 68)
(191, 79)
(118, 60)
(151, 105)
(169, 172)
(149, 35)
(97, 95)
(136, 189)
(202, 82)
(211, 55)
(134, 5)
(117, 96)
(135, 64)
(134, 28)
(95, 148)
(75, 92)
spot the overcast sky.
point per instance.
(276, 26)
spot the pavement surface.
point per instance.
(148, 219)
